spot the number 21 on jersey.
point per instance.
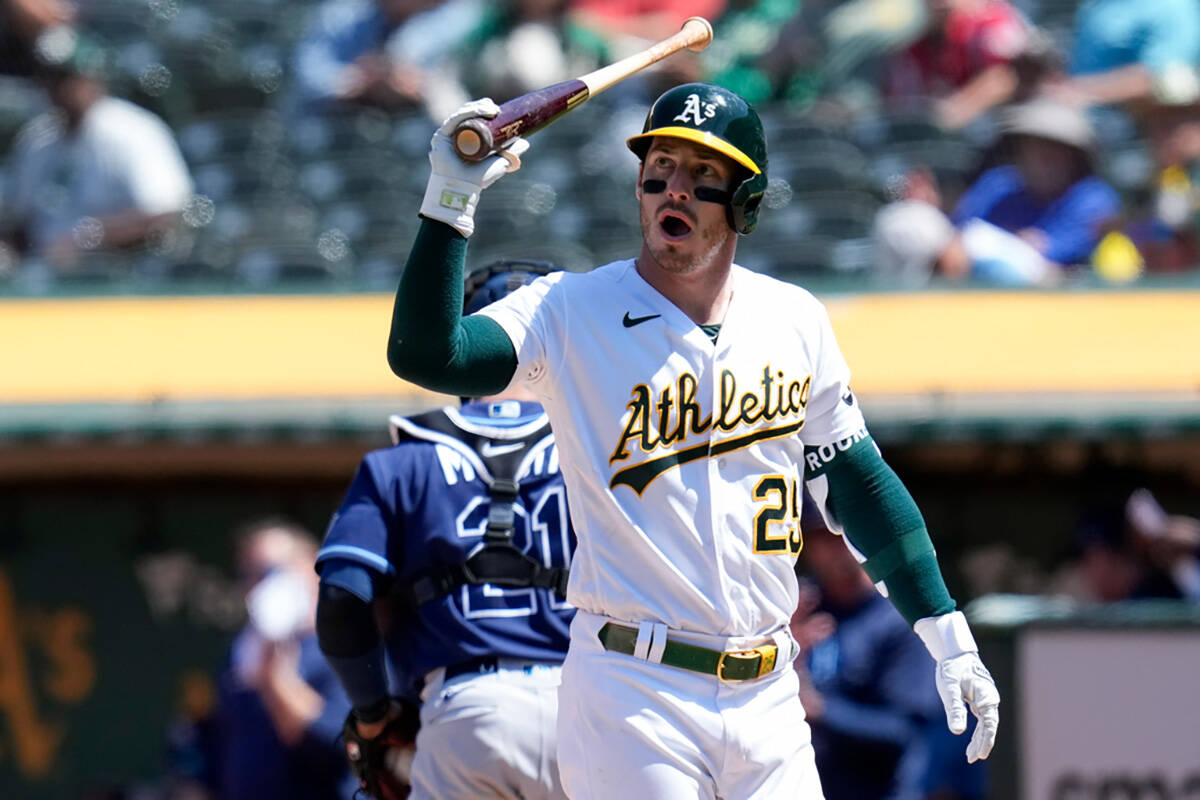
(777, 522)
(542, 533)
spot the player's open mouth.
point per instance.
(674, 226)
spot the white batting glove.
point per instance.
(961, 676)
(454, 184)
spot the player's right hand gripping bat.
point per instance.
(477, 138)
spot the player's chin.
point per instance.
(673, 258)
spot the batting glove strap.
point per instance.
(946, 636)
(452, 202)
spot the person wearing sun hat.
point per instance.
(1020, 223)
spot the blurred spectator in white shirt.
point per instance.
(94, 172)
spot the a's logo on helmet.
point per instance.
(694, 112)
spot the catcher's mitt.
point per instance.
(382, 764)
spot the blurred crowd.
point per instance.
(1021, 143)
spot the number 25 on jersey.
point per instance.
(777, 523)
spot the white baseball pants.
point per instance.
(629, 728)
(489, 736)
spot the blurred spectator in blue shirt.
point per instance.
(390, 54)
(1049, 196)
(1019, 224)
(1135, 49)
(1145, 54)
(869, 694)
(281, 707)
(948, 776)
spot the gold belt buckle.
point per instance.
(766, 654)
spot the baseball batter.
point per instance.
(694, 402)
(484, 658)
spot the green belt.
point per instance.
(731, 665)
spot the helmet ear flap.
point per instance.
(742, 211)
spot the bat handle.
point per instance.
(473, 139)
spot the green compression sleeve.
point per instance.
(881, 520)
(431, 343)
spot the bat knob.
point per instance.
(473, 140)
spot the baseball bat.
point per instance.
(475, 139)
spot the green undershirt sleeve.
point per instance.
(881, 520)
(430, 343)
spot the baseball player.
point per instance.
(461, 529)
(694, 403)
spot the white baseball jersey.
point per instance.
(683, 459)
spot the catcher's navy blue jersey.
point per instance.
(421, 507)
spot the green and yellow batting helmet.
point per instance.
(719, 119)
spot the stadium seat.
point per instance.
(244, 180)
(229, 135)
(345, 133)
(352, 176)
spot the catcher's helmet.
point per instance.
(719, 119)
(498, 279)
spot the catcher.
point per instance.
(459, 536)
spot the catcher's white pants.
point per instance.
(489, 735)
(629, 728)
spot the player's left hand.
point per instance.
(965, 678)
(962, 680)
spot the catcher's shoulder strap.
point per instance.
(499, 455)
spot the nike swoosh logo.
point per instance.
(629, 321)
(490, 450)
